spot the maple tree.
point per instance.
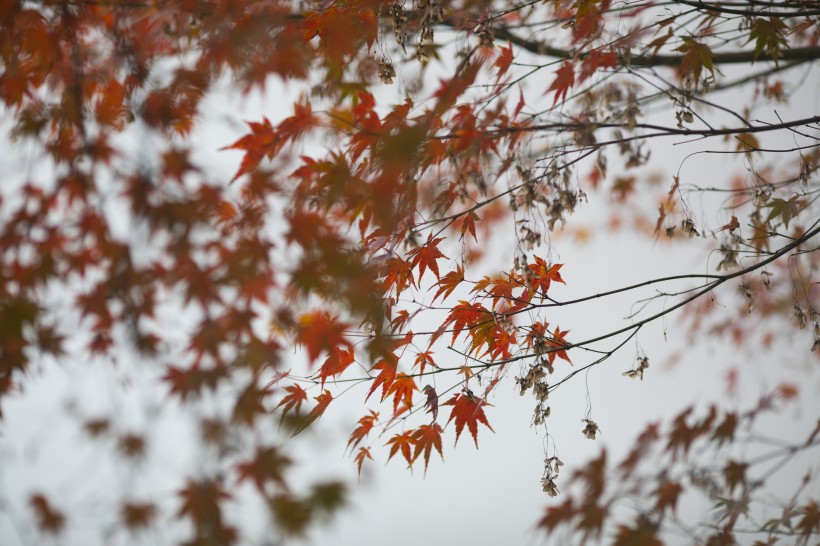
(356, 227)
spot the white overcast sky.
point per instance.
(482, 497)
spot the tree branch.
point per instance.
(808, 53)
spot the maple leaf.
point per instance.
(556, 342)
(201, 502)
(402, 442)
(543, 275)
(249, 404)
(293, 400)
(467, 410)
(786, 210)
(49, 519)
(769, 36)
(255, 145)
(503, 61)
(322, 402)
(725, 431)
(747, 143)
(425, 438)
(137, 515)
(431, 404)
(423, 359)
(319, 331)
(365, 425)
(735, 474)
(425, 256)
(265, 141)
(557, 515)
(361, 455)
(449, 282)
(468, 225)
(564, 79)
(597, 60)
(810, 519)
(337, 362)
(667, 494)
(697, 56)
(388, 367)
(641, 535)
(268, 464)
(732, 225)
(465, 316)
(400, 320)
(399, 274)
(402, 388)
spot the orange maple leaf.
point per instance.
(557, 342)
(423, 359)
(466, 315)
(293, 400)
(366, 424)
(468, 225)
(402, 442)
(322, 402)
(402, 389)
(467, 410)
(544, 275)
(425, 438)
(449, 282)
(361, 455)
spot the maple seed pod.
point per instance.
(688, 227)
(800, 315)
(549, 487)
(386, 71)
(590, 429)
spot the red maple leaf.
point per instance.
(564, 79)
(337, 362)
(256, 145)
(503, 61)
(467, 410)
(596, 60)
(431, 404)
(425, 256)
(386, 377)
(319, 331)
(267, 464)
